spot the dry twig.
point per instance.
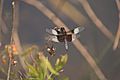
(9, 70)
(15, 35)
(95, 19)
(3, 26)
(69, 10)
(117, 38)
(1, 8)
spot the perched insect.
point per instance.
(61, 35)
(51, 50)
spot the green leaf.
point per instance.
(42, 68)
(51, 69)
(32, 71)
(61, 62)
(57, 61)
(47, 64)
(50, 79)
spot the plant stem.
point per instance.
(9, 69)
(117, 38)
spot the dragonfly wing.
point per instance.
(78, 29)
(52, 31)
(75, 36)
(53, 38)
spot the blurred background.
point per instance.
(33, 23)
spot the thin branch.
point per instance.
(1, 8)
(45, 11)
(117, 38)
(69, 10)
(77, 43)
(95, 19)
(3, 26)
(9, 69)
(15, 25)
(15, 35)
(90, 60)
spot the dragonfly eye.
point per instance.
(62, 29)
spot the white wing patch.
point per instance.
(51, 31)
(54, 32)
(76, 30)
(54, 39)
(79, 29)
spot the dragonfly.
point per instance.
(61, 35)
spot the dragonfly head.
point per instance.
(63, 30)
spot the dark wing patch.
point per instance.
(61, 38)
(76, 30)
(69, 37)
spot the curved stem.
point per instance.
(15, 36)
(9, 69)
(117, 38)
(96, 20)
